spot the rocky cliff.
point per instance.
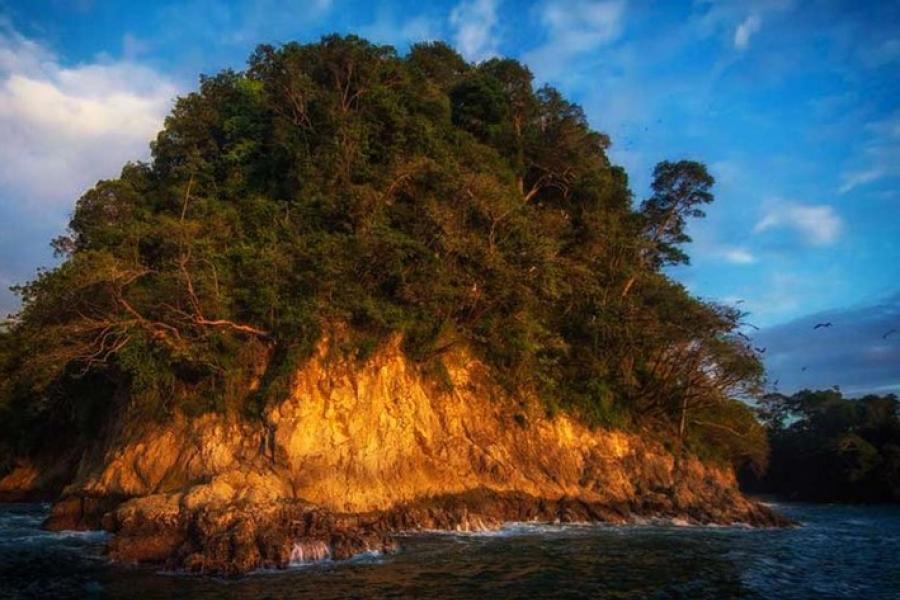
(357, 451)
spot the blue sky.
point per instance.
(795, 106)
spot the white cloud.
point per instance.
(738, 256)
(879, 158)
(473, 22)
(574, 28)
(62, 128)
(582, 26)
(858, 178)
(745, 31)
(819, 224)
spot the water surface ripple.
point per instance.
(839, 552)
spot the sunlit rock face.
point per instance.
(19, 481)
(357, 451)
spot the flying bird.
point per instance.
(760, 350)
(887, 334)
(802, 369)
(820, 325)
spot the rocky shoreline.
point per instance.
(356, 453)
(234, 539)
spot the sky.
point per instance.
(793, 105)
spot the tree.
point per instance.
(827, 447)
(679, 189)
(438, 62)
(561, 148)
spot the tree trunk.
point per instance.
(657, 234)
(628, 285)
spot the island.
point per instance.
(355, 293)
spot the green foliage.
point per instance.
(339, 183)
(679, 189)
(829, 448)
(730, 433)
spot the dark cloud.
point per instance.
(853, 353)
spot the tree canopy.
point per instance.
(827, 447)
(339, 183)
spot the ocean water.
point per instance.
(837, 552)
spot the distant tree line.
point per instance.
(825, 447)
(341, 184)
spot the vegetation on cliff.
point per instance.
(826, 447)
(340, 183)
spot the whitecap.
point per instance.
(309, 551)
